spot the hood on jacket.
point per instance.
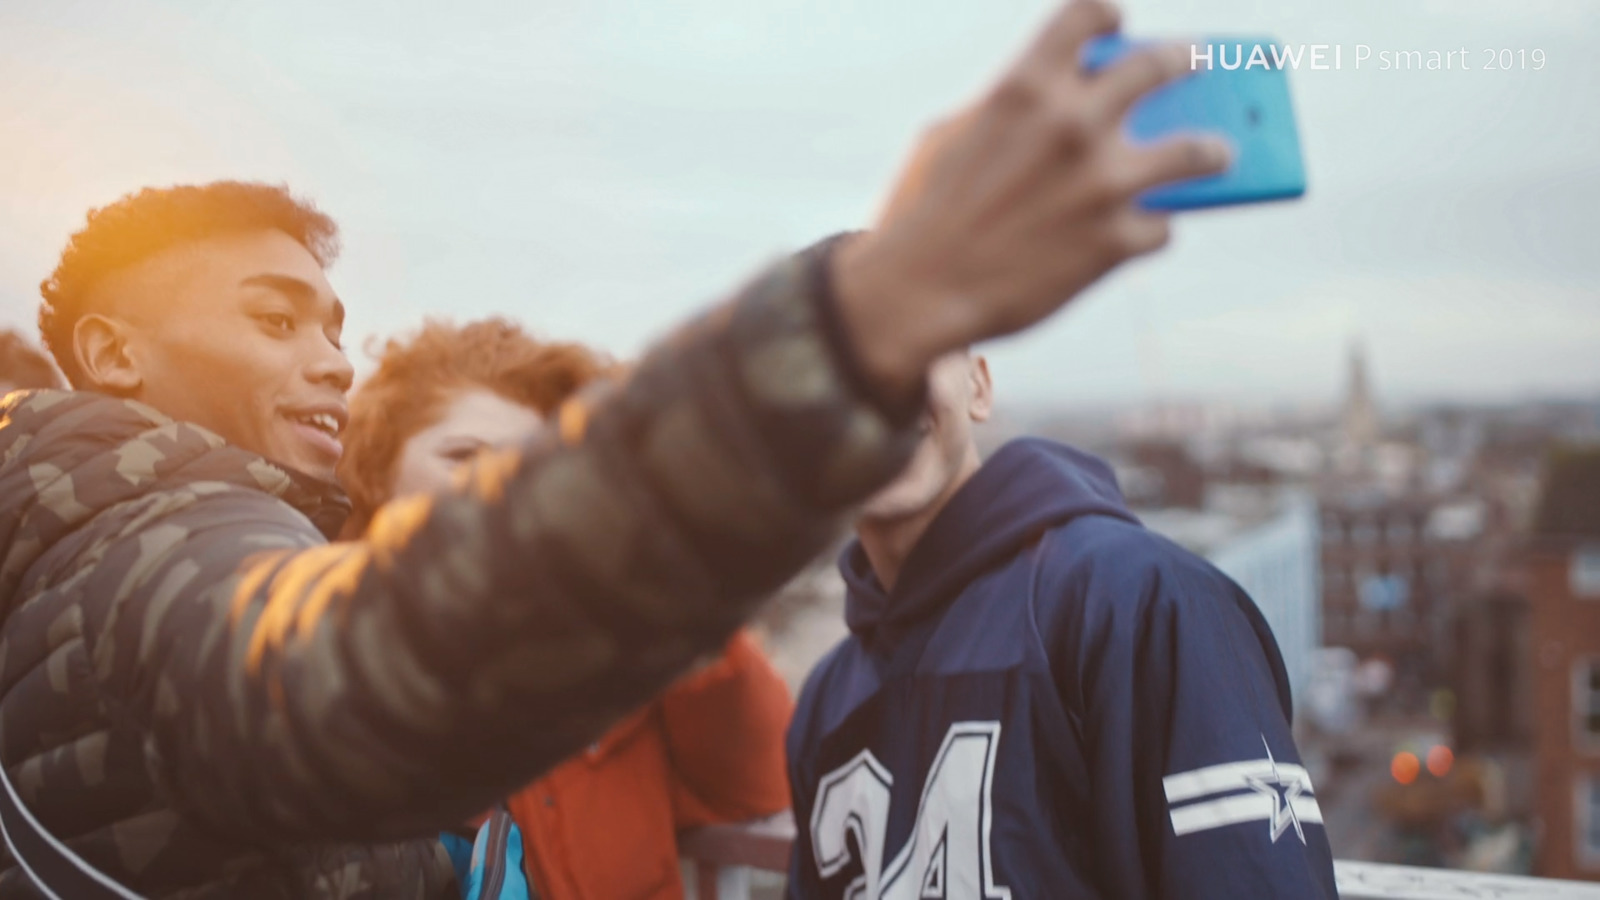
(1028, 486)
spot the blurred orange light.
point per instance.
(1440, 759)
(1405, 767)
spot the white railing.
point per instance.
(1375, 881)
(724, 857)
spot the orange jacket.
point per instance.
(603, 825)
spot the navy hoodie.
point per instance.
(1052, 703)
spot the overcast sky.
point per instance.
(600, 168)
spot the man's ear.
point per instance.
(982, 403)
(101, 345)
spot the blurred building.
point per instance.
(1417, 518)
(1393, 569)
(1360, 428)
(1560, 573)
(1493, 682)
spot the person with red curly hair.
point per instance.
(709, 749)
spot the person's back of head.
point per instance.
(441, 394)
(209, 303)
(22, 367)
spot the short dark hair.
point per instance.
(145, 223)
(24, 367)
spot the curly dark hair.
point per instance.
(22, 366)
(145, 223)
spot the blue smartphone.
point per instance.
(1247, 105)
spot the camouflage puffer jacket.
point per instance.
(204, 698)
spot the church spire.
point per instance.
(1360, 418)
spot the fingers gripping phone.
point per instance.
(1247, 105)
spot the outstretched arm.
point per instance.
(474, 638)
(395, 684)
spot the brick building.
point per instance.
(1393, 571)
(1493, 677)
(1560, 575)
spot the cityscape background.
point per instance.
(1375, 408)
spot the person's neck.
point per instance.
(888, 542)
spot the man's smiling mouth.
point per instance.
(326, 423)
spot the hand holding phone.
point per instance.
(1248, 105)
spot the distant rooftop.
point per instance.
(1229, 512)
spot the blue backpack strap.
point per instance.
(491, 869)
(517, 885)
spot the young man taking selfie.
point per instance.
(201, 697)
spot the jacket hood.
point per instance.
(65, 456)
(1027, 487)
